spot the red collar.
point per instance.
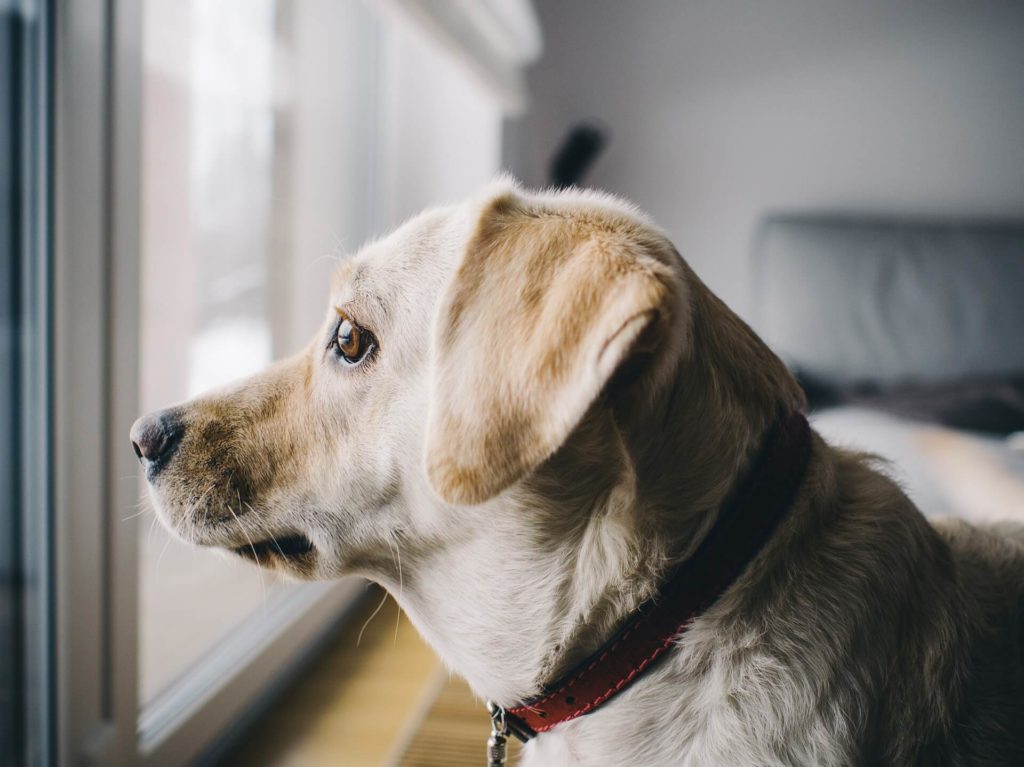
(743, 527)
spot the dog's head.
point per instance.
(491, 353)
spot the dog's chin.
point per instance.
(292, 554)
(288, 551)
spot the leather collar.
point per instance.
(744, 525)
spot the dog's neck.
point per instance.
(541, 576)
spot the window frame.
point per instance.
(93, 306)
(95, 313)
(25, 391)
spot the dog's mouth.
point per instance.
(288, 547)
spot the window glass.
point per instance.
(257, 139)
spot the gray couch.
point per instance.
(852, 302)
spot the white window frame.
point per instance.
(94, 294)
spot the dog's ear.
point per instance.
(545, 308)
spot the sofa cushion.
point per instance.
(848, 300)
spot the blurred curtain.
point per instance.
(493, 39)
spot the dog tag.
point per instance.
(497, 749)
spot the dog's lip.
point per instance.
(288, 546)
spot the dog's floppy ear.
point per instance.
(545, 307)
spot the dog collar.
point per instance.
(744, 525)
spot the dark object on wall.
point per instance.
(576, 155)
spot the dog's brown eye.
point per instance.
(353, 343)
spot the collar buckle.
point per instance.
(497, 750)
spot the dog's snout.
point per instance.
(154, 437)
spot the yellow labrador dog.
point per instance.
(520, 415)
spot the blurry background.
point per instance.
(722, 112)
(180, 176)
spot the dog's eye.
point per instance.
(352, 342)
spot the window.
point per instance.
(243, 101)
(258, 132)
(212, 159)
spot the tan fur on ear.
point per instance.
(545, 307)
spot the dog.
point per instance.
(520, 415)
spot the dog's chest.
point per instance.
(727, 714)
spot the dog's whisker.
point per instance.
(141, 507)
(137, 514)
(393, 542)
(372, 616)
(272, 536)
(189, 518)
(152, 526)
(160, 559)
(263, 585)
(325, 257)
(194, 508)
(259, 565)
(201, 500)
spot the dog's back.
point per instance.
(955, 688)
(989, 564)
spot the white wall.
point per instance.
(443, 129)
(324, 201)
(721, 110)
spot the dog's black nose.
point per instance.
(154, 437)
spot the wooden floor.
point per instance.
(356, 706)
(452, 732)
(384, 702)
